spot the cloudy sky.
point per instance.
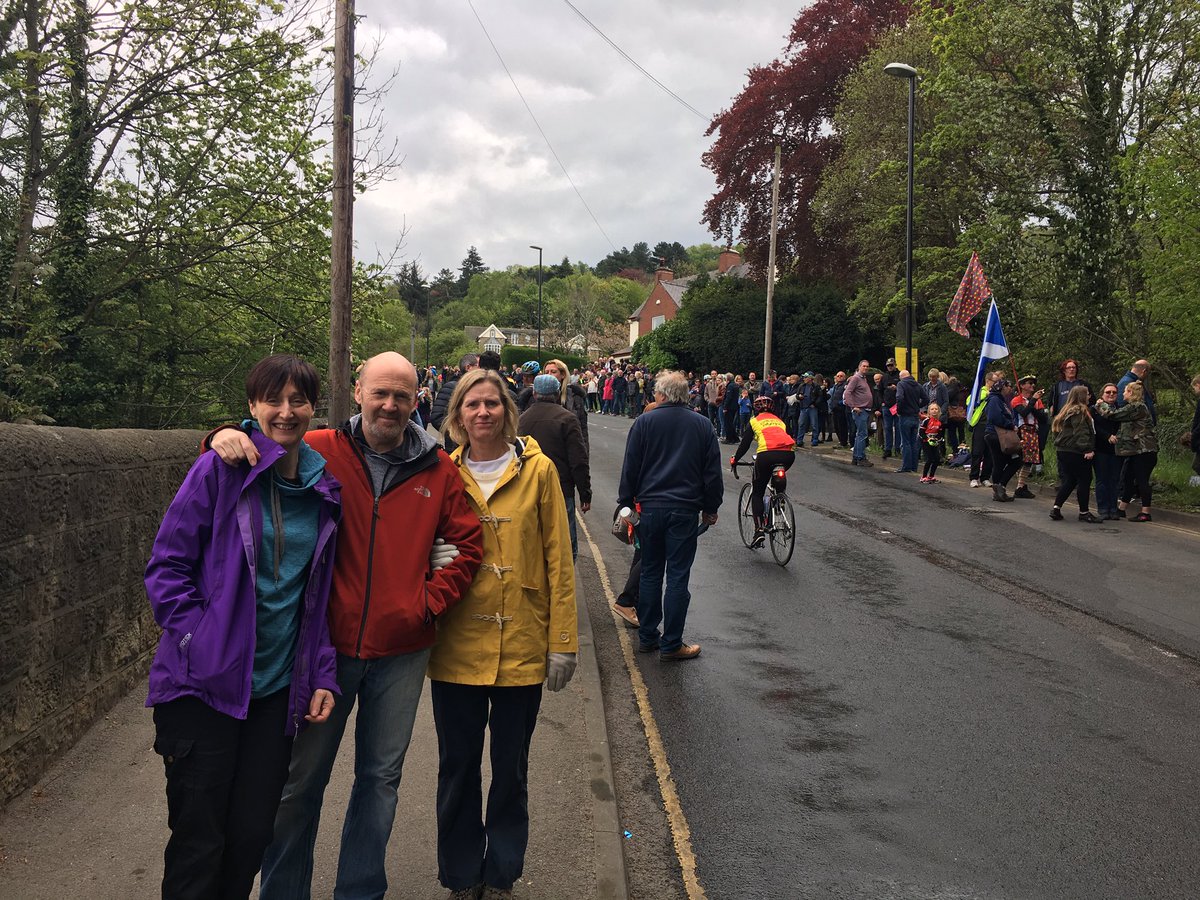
(477, 172)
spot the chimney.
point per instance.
(662, 273)
(727, 260)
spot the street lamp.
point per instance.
(539, 350)
(900, 70)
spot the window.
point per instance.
(656, 321)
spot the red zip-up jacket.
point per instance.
(385, 598)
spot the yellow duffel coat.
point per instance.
(521, 605)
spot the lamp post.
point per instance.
(900, 70)
(539, 350)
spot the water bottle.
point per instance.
(628, 515)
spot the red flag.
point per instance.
(972, 294)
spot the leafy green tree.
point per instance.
(662, 348)
(471, 266)
(813, 329)
(723, 320)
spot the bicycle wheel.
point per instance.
(745, 515)
(782, 529)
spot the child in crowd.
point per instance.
(931, 438)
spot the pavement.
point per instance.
(95, 825)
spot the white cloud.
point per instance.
(477, 171)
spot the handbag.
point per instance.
(1010, 441)
(956, 413)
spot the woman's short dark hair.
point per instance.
(271, 375)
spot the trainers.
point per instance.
(1088, 517)
(864, 463)
(925, 479)
(987, 482)
(975, 482)
(471, 893)
(495, 893)
(685, 651)
(1056, 514)
(627, 613)
(758, 540)
(1024, 493)
(932, 480)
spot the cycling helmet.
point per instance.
(532, 367)
(763, 404)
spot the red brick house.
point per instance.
(666, 296)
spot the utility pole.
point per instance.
(342, 256)
(766, 369)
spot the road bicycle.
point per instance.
(780, 524)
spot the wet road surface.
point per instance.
(916, 706)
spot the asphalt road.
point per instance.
(938, 698)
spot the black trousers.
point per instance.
(1003, 466)
(1136, 477)
(491, 851)
(933, 456)
(224, 780)
(1074, 474)
(981, 458)
(764, 465)
(840, 426)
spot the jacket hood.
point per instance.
(417, 441)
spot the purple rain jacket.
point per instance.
(201, 584)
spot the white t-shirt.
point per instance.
(487, 472)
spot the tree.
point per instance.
(674, 255)
(790, 102)
(471, 266)
(179, 192)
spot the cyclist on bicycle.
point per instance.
(775, 448)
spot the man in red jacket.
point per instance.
(400, 492)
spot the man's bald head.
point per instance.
(390, 363)
(387, 392)
(1140, 368)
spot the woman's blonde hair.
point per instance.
(565, 378)
(1077, 403)
(452, 425)
(1137, 393)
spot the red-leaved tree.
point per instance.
(791, 102)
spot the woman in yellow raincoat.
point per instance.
(514, 630)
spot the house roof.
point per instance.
(677, 287)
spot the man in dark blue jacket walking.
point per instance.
(672, 469)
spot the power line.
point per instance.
(539, 127)
(633, 62)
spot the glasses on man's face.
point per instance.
(1109, 392)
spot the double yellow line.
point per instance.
(680, 832)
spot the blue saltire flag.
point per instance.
(994, 347)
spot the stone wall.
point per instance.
(78, 512)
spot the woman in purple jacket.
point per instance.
(239, 580)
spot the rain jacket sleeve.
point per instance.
(173, 575)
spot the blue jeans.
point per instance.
(908, 443)
(862, 431)
(571, 523)
(891, 432)
(388, 690)
(807, 422)
(668, 547)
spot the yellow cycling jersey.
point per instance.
(771, 433)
